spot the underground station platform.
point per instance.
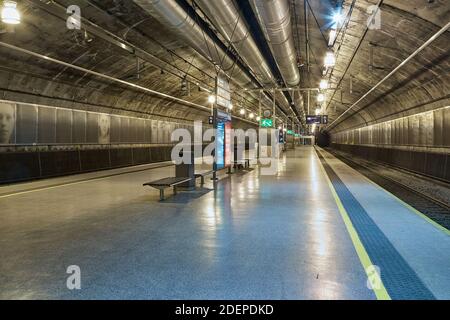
(225, 156)
(316, 239)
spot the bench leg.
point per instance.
(161, 194)
(174, 190)
(202, 180)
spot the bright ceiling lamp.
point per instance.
(242, 112)
(318, 111)
(323, 84)
(230, 106)
(211, 99)
(320, 97)
(251, 115)
(258, 118)
(338, 18)
(10, 14)
(330, 59)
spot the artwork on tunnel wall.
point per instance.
(26, 124)
(46, 125)
(78, 126)
(148, 130)
(124, 130)
(140, 131)
(154, 131)
(92, 127)
(133, 130)
(29, 124)
(427, 129)
(63, 125)
(104, 128)
(166, 130)
(7, 122)
(161, 136)
(115, 129)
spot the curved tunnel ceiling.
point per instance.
(364, 57)
(422, 84)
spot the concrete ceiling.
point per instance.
(422, 84)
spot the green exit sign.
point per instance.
(267, 123)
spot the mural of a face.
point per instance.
(7, 120)
(104, 125)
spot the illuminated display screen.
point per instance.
(220, 146)
(313, 119)
(323, 119)
(223, 140)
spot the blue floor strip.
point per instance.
(400, 280)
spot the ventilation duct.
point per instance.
(275, 19)
(171, 14)
(228, 20)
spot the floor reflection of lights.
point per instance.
(313, 181)
(211, 223)
(321, 236)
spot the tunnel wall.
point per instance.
(420, 143)
(39, 141)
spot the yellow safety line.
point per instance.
(53, 187)
(420, 214)
(380, 292)
(78, 182)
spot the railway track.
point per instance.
(433, 208)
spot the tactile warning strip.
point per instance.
(398, 277)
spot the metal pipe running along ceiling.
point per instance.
(275, 19)
(170, 13)
(228, 20)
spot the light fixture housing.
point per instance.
(332, 38)
(330, 59)
(320, 97)
(10, 14)
(323, 84)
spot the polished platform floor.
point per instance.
(254, 237)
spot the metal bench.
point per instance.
(165, 183)
(245, 161)
(202, 175)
